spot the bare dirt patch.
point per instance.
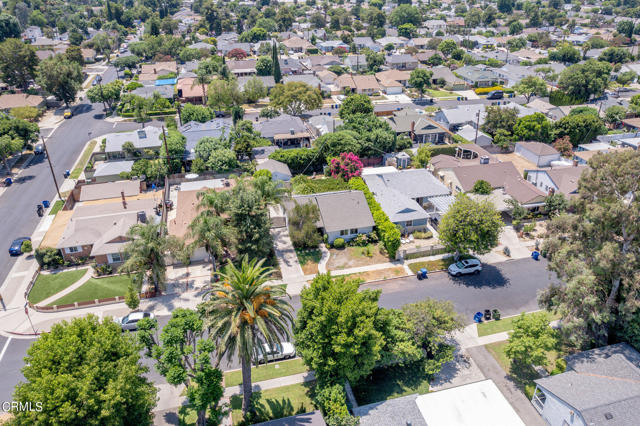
(351, 257)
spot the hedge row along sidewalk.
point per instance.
(388, 234)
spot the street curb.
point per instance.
(15, 333)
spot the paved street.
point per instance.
(35, 184)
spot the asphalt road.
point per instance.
(510, 286)
(35, 183)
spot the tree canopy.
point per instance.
(295, 97)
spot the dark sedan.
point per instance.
(16, 246)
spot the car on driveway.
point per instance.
(16, 246)
(130, 322)
(285, 350)
(464, 267)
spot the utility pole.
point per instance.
(55, 181)
(166, 149)
(475, 141)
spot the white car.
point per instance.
(130, 322)
(285, 350)
(466, 266)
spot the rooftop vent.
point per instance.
(608, 416)
(142, 134)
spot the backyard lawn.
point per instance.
(56, 207)
(276, 403)
(309, 260)
(47, 285)
(82, 162)
(505, 324)
(96, 289)
(350, 257)
(391, 382)
(266, 372)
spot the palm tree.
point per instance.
(145, 254)
(202, 78)
(213, 233)
(242, 311)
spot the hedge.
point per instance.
(387, 232)
(559, 98)
(299, 158)
(484, 90)
(150, 113)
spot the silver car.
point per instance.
(465, 266)
(285, 350)
(130, 322)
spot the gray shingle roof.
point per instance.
(401, 411)
(341, 209)
(113, 168)
(149, 137)
(281, 124)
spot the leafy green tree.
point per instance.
(9, 27)
(131, 298)
(470, 226)
(583, 80)
(423, 156)
(77, 381)
(202, 79)
(302, 225)
(374, 60)
(355, 104)
(183, 356)
(74, 54)
(405, 14)
(17, 128)
(432, 323)
(224, 95)
(376, 136)
(482, 187)
(447, 46)
(275, 60)
(616, 55)
(626, 78)
(241, 311)
(254, 35)
(516, 27)
(531, 339)
(333, 144)
(145, 253)
(499, 119)
(531, 85)
(335, 329)
(249, 218)
(565, 53)
(420, 79)
(209, 230)
(625, 28)
(254, 90)
(18, 63)
(61, 78)
(555, 204)
(533, 127)
(8, 147)
(295, 97)
(505, 6)
(634, 104)
(592, 251)
(222, 161)
(407, 30)
(264, 66)
(108, 94)
(614, 114)
(581, 128)
(199, 113)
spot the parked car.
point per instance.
(464, 267)
(38, 149)
(130, 322)
(16, 246)
(285, 350)
(67, 113)
(495, 94)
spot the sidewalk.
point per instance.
(308, 376)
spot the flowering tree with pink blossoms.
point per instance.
(347, 166)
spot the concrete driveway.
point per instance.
(286, 254)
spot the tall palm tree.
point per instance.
(145, 254)
(243, 311)
(202, 78)
(211, 232)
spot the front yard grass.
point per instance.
(266, 372)
(56, 207)
(351, 257)
(82, 162)
(440, 93)
(47, 285)
(506, 324)
(309, 260)
(380, 274)
(96, 289)
(276, 403)
(523, 376)
(391, 382)
(435, 265)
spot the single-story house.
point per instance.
(451, 81)
(391, 87)
(279, 170)
(243, 67)
(419, 127)
(394, 75)
(15, 100)
(479, 77)
(538, 153)
(297, 44)
(108, 171)
(401, 62)
(563, 180)
(362, 42)
(356, 62)
(599, 387)
(408, 197)
(190, 91)
(329, 45)
(285, 131)
(152, 71)
(267, 80)
(477, 136)
(147, 138)
(195, 131)
(147, 91)
(366, 84)
(88, 55)
(343, 214)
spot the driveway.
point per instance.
(286, 254)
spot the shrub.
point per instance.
(529, 228)
(28, 113)
(302, 226)
(423, 235)
(48, 257)
(263, 172)
(484, 90)
(339, 243)
(27, 247)
(361, 240)
(131, 298)
(559, 98)
(101, 270)
(482, 187)
(332, 401)
(561, 366)
(347, 166)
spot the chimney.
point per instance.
(142, 216)
(124, 201)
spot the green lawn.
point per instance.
(75, 173)
(266, 372)
(391, 382)
(305, 256)
(276, 403)
(523, 376)
(366, 251)
(440, 93)
(47, 285)
(434, 265)
(96, 289)
(506, 324)
(56, 207)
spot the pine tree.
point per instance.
(277, 75)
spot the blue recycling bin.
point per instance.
(45, 203)
(535, 255)
(478, 317)
(67, 173)
(8, 181)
